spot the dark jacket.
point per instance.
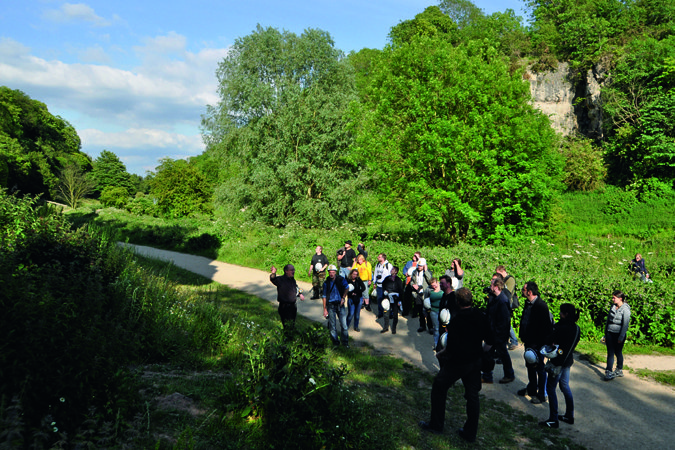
(499, 314)
(535, 323)
(466, 333)
(287, 288)
(391, 284)
(359, 287)
(566, 335)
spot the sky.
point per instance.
(135, 77)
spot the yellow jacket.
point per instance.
(365, 271)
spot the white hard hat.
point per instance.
(351, 287)
(318, 267)
(411, 271)
(444, 340)
(386, 293)
(332, 268)
(427, 303)
(422, 262)
(530, 356)
(385, 305)
(444, 316)
(549, 351)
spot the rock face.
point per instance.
(574, 106)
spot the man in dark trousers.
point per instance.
(469, 335)
(535, 327)
(287, 293)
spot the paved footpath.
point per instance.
(625, 413)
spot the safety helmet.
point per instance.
(427, 303)
(385, 305)
(549, 351)
(530, 356)
(411, 271)
(351, 287)
(332, 268)
(444, 340)
(444, 316)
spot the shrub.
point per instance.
(584, 167)
(141, 205)
(113, 196)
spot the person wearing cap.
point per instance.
(420, 280)
(317, 270)
(335, 290)
(408, 269)
(346, 256)
(287, 293)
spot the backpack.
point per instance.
(512, 296)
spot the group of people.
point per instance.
(467, 340)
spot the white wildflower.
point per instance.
(567, 256)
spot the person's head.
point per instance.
(500, 269)
(332, 271)
(497, 285)
(421, 264)
(361, 259)
(381, 257)
(497, 275)
(568, 311)
(353, 274)
(289, 270)
(319, 249)
(361, 247)
(445, 283)
(531, 290)
(618, 297)
(456, 263)
(348, 244)
(638, 257)
(416, 256)
(434, 283)
(464, 297)
(394, 271)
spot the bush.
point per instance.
(584, 167)
(142, 205)
(116, 197)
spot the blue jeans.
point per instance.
(564, 380)
(434, 322)
(354, 312)
(513, 340)
(380, 296)
(335, 313)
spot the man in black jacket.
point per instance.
(499, 316)
(469, 335)
(287, 293)
(392, 285)
(535, 327)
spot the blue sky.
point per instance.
(134, 77)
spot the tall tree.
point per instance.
(180, 189)
(454, 141)
(73, 185)
(110, 171)
(281, 128)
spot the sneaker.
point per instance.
(538, 400)
(566, 419)
(549, 424)
(393, 331)
(463, 434)
(385, 330)
(421, 329)
(486, 381)
(609, 375)
(426, 426)
(358, 330)
(431, 331)
(618, 373)
(507, 380)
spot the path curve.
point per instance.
(626, 412)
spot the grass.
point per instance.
(186, 410)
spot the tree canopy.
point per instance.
(280, 130)
(110, 171)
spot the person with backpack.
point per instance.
(382, 271)
(510, 287)
(420, 281)
(335, 290)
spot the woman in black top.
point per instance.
(355, 297)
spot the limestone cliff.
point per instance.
(572, 105)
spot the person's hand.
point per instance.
(273, 270)
(325, 313)
(415, 287)
(302, 297)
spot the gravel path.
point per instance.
(626, 412)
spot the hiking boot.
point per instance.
(426, 426)
(549, 424)
(385, 330)
(618, 373)
(609, 375)
(566, 419)
(421, 329)
(393, 331)
(538, 400)
(507, 380)
(358, 330)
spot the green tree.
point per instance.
(452, 139)
(281, 131)
(181, 189)
(114, 196)
(110, 171)
(34, 144)
(73, 185)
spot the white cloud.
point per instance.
(142, 137)
(75, 12)
(94, 54)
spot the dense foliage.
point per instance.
(34, 145)
(280, 130)
(109, 172)
(454, 144)
(180, 189)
